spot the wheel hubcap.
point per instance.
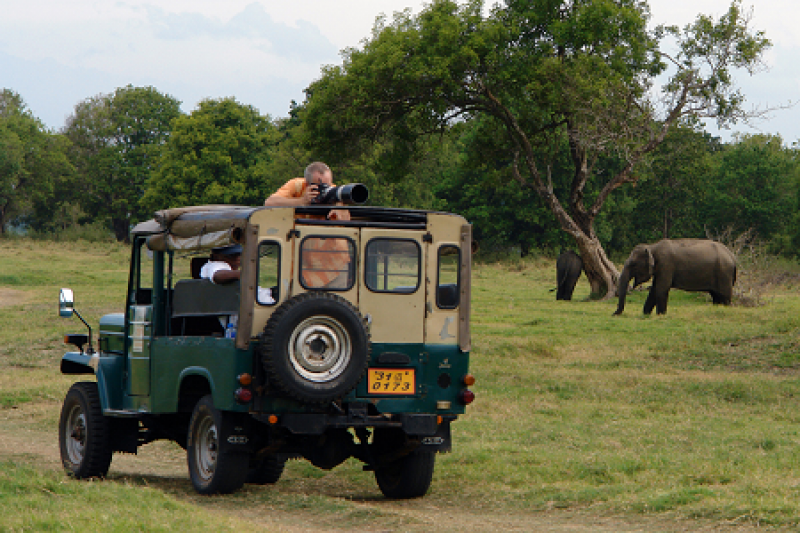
(206, 449)
(320, 349)
(76, 435)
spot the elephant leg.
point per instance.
(650, 302)
(716, 297)
(560, 291)
(726, 295)
(570, 290)
(661, 303)
(570, 286)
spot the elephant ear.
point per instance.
(651, 263)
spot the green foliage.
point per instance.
(218, 154)
(34, 170)
(116, 140)
(754, 186)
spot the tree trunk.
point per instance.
(600, 271)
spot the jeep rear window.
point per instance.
(327, 263)
(392, 265)
(447, 289)
(269, 262)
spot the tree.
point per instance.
(550, 73)
(116, 139)
(753, 184)
(216, 155)
(33, 164)
(669, 199)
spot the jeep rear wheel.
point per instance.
(315, 347)
(213, 470)
(83, 433)
(407, 477)
(267, 471)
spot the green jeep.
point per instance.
(352, 340)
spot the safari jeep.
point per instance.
(373, 366)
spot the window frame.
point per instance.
(258, 271)
(439, 273)
(366, 265)
(351, 268)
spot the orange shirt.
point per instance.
(294, 188)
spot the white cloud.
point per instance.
(265, 52)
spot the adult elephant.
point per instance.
(686, 264)
(568, 269)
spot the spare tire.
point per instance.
(315, 347)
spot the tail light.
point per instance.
(243, 395)
(466, 397)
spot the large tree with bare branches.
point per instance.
(548, 72)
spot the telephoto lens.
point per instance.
(350, 194)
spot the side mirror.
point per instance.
(66, 303)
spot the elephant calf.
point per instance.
(686, 264)
(569, 266)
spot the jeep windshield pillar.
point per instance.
(340, 339)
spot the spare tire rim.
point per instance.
(319, 349)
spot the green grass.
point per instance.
(32, 499)
(689, 416)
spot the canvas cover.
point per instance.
(195, 228)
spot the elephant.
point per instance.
(568, 269)
(686, 264)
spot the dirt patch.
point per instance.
(10, 297)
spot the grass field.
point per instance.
(582, 422)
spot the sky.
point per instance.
(263, 53)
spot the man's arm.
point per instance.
(224, 276)
(284, 197)
(282, 201)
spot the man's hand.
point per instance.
(310, 194)
(339, 214)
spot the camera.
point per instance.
(350, 194)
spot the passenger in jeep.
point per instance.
(224, 264)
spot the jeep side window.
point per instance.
(143, 276)
(327, 263)
(447, 286)
(269, 263)
(392, 265)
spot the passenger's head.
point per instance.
(318, 172)
(231, 254)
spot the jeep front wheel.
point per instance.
(315, 347)
(83, 433)
(213, 470)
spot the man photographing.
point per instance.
(303, 191)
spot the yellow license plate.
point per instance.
(391, 381)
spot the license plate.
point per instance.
(399, 381)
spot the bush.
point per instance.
(95, 232)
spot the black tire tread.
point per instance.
(97, 452)
(231, 469)
(409, 477)
(268, 471)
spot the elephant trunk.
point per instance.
(622, 289)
